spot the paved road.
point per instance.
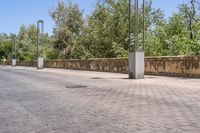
(64, 101)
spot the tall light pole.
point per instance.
(136, 30)
(14, 60)
(40, 31)
(136, 54)
(129, 26)
(143, 36)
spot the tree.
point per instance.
(191, 14)
(27, 43)
(68, 29)
(104, 33)
(5, 46)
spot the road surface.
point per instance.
(65, 101)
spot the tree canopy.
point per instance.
(104, 33)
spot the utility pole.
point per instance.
(136, 54)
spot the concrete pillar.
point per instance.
(136, 65)
(40, 63)
(14, 62)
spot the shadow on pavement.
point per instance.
(97, 78)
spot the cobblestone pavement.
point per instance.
(64, 101)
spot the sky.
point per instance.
(14, 13)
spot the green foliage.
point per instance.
(68, 29)
(27, 43)
(179, 35)
(5, 46)
(104, 33)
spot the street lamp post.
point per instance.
(40, 30)
(136, 54)
(143, 36)
(14, 60)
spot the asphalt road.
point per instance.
(64, 101)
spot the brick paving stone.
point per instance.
(65, 101)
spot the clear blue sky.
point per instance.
(14, 13)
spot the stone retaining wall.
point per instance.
(173, 66)
(163, 66)
(102, 65)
